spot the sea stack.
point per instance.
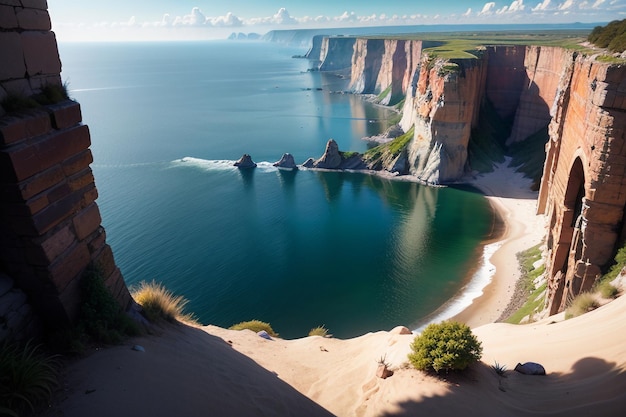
(245, 162)
(331, 158)
(286, 162)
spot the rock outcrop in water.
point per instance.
(286, 162)
(333, 158)
(245, 162)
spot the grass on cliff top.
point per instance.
(455, 45)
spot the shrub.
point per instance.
(607, 290)
(581, 304)
(499, 369)
(160, 304)
(256, 326)
(27, 378)
(101, 316)
(319, 331)
(445, 346)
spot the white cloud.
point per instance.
(347, 17)
(516, 6)
(282, 17)
(566, 5)
(468, 12)
(597, 4)
(230, 20)
(487, 8)
(541, 6)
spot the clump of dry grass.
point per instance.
(319, 331)
(581, 304)
(160, 304)
(254, 325)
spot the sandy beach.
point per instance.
(211, 371)
(516, 204)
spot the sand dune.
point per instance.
(211, 371)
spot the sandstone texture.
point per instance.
(50, 231)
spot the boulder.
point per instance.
(264, 335)
(286, 162)
(383, 372)
(309, 163)
(400, 330)
(245, 162)
(530, 368)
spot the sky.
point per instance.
(75, 20)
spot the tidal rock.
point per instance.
(286, 162)
(309, 163)
(245, 162)
(530, 368)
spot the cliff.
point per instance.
(443, 107)
(336, 53)
(553, 99)
(384, 67)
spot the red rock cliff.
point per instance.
(443, 107)
(580, 100)
(384, 65)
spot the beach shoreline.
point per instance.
(491, 283)
(512, 199)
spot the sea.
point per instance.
(353, 252)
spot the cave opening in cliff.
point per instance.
(568, 243)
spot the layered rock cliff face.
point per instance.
(443, 107)
(579, 102)
(583, 190)
(384, 65)
(336, 53)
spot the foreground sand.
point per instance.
(211, 371)
(194, 372)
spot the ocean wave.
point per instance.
(472, 290)
(219, 164)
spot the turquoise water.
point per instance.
(354, 252)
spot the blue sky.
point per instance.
(211, 19)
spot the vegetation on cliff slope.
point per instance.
(49, 94)
(380, 155)
(611, 36)
(529, 298)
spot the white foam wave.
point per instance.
(219, 164)
(472, 290)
